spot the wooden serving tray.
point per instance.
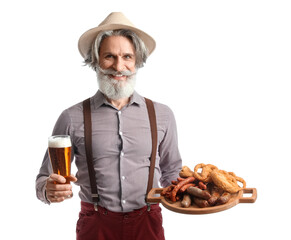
(193, 209)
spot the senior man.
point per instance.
(123, 144)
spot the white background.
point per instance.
(222, 66)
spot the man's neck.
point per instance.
(120, 103)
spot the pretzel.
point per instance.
(204, 176)
(186, 172)
(227, 181)
(238, 179)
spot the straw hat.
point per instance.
(115, 20)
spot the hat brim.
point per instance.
(87, 38)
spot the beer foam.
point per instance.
(59, 142)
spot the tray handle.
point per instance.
(250, 199)
(151, 198)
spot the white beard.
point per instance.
(114, 89)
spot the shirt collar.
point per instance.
(99, 99)
(136, 98)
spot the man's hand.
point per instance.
(59, 188)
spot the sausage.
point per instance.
(224, 198)
(174, 182)
(201, 202)
(184, 188)
(179, 179)
(186, 202)
(215, 194)
(179, 185)
(166, 190)
(202, 186)
(197, 192)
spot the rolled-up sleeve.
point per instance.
(170, 159)
(62, 127)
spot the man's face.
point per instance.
(116, 71)
(117, 53)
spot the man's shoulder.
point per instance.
(76, 108)
(162, 109)
(74, 112)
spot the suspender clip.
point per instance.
(95, 198)
(149, 207)
(96, 207)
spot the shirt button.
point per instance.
(123, 201)
(120, 133)
(123, 177)
(119, 112)
(122, 153)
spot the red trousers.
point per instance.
(106, 225)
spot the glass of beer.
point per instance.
(59, 147)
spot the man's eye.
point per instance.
(109, 56)
(128, 56)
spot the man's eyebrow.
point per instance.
(110, 53)
(105, 53)
(131, 54)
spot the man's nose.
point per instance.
(118, 64)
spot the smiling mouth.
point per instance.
(118, 76)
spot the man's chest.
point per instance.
(118, 132)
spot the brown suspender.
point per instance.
(154, 134)
(88, 147)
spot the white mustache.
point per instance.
(115, 73)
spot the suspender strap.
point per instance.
(88, 147)
(154, 134)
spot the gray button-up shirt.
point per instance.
(122, 148)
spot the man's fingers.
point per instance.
(72, 178)
(58, 187)
(56, 194)
(60, 179)
(57, 178)
(56, 199)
